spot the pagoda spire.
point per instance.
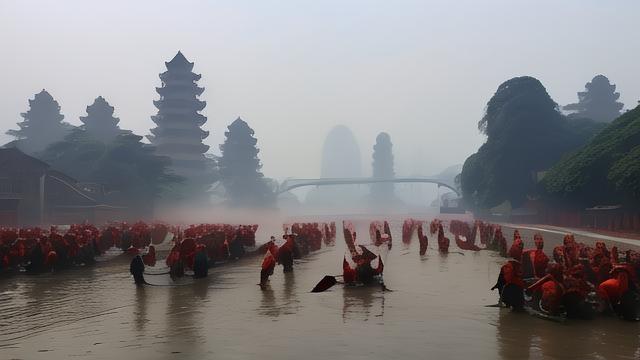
(178, 134)
(42, 126)
(179, 62)
(100, 123)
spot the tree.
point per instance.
(132, 174)
(599, 102)
(526, 135)
(178, 134)
(100, 124)
(240, 168)
(42, 124)
(605, 171)
(382, 168)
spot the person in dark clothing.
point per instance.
(286, 253)
(236, 249)
(86, 255)
(36, 259)
(177, 270)
(61, 251)
(200, 265)
(302, 243)
(365, 272)
(136, 268)
(125, 243)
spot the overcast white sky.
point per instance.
(420, 70)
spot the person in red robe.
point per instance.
(516, 249)
(268, 264)
(286, 253)
(443, 242)
(550, 289)
(571, 251)
(149, 258)
(424, 242)
(535, 261)
(348, 273)
(620, 294)
(510, 284)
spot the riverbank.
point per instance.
(555, 233)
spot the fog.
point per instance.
(420, 70)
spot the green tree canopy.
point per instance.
(606, 170)
(239, 168)
(526, 134)
(128, 168)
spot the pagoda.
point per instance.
(100, 123)
(178, 134)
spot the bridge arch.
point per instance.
(290, 184)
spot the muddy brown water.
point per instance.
(436, 311)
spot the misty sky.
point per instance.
(420, 70)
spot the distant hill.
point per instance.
(605, 171)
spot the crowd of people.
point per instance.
(577, 281)
(36, 250)
(299, 239)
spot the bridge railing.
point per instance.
(291, 184)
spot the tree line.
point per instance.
(175, 167)
(535, 151)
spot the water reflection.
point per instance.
(268, 302)
(284, 302)
(140, 309)
(521, 336)
(514, 339)
(183, 325)
(201, 289)
(289, 294)
(362, 303)
(434, 310)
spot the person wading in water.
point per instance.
(136, 268)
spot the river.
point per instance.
(436, 311)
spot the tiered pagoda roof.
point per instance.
(178, 134)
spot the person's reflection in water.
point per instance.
(514, 335)
(200, 290)
(555, 344)
(183, 324)
(443, 264)
(289, 296)
(268, 305)
(358, 302)
(140, 309)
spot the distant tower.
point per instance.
(42, 125)
(341, 154)
(341, 158)
(178, 134)
(240, 167)
(598, 102)
(100, 123)
(383, 167)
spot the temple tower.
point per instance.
(178, 134)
